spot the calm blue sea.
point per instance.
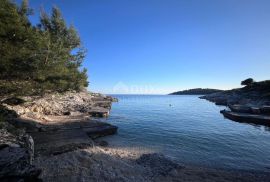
(190, 131)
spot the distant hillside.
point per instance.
(196, 91)
(255, 93)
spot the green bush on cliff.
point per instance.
(38, 58)
(247, 82)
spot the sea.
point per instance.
(190, 131)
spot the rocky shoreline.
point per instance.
(57, 138)
(111, 164)
(250, 104)
(256, 94)
(49, 125)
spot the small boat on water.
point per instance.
(246, 117)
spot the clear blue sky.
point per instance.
(160, 46)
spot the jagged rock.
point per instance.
(29, 145)
(16, 157)
(15, 163)
(62, 104)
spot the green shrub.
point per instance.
(247, 82)
(38, 58)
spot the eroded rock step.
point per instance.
(54, 140)
(53, 143)
(99, 131)
(247, 118)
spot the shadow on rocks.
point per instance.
(158, 163)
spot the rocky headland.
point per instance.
(196, 91)
(255, 94)
(250, 104)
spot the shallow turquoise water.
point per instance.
(191, 131)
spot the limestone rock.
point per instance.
(16, 157)
(57, 104)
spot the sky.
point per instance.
(161, 46)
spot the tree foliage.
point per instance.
(196, 91)
(247, 82)
(41, 58)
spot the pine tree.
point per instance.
(37, 59)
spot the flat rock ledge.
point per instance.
(243, 105)
(54, 124)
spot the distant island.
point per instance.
(196, 91)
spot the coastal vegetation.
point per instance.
(254, 93)
(252, 89)
(247, 82)
(35, 59)
(250, 104)
(196, 91)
